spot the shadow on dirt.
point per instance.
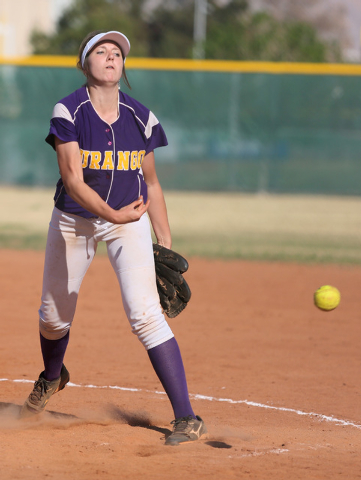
(137, 419)
(10, 412)
(217, 444)
(16, 409)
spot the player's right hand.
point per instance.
(132, 212)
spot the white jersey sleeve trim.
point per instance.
(60, 111)
(76, 111)
(152, 121)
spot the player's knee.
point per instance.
(152, 331)
(53, 329)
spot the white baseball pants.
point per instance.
(71, 246)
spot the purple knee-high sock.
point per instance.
(168, 365)
(53, 354)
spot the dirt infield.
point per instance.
(276, 380)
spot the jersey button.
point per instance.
(109, 143)
(107, 130)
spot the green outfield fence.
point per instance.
(231, 126)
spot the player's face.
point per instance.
(105, 64)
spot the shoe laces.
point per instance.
(40, 389)
(181, 425)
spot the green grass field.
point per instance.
(260, 227)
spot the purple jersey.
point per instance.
(111, 155)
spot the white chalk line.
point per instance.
(276, 451)
(326, 418)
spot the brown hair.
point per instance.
(81, 49)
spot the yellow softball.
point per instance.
(327, 298)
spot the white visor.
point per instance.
(114, 36)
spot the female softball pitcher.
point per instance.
(104, 141)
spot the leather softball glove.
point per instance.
(174, 292)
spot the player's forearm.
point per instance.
(87, 198)
(157, 212)
(91, 201)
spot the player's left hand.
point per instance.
(132, 212)
(174, 292)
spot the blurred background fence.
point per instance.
(231, 126)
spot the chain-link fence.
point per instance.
(227, 131)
